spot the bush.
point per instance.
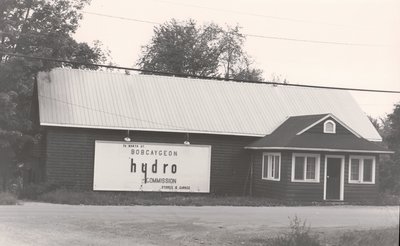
(389, 174)
(387, 199)
(67, 196)
(8, 199)
(64, 196)
(382, 237)
(33, 191)
(299, 235)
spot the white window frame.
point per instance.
(317, 168)
(361, 159)
(269, 177)
(334, 126)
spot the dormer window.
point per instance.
(329, 126)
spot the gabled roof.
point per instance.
(326, 117)
(285, 132)
(292, 134)
(96, 99)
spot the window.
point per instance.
(305, 168)
(362, 170)
(355, 169)
(329, 126)
(271, 166)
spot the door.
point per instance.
(333, 176)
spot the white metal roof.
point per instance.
(97, 99)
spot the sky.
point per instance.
(370, 30)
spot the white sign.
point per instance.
(130, 166)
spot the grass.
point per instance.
(386, 199)
(298, 235)
(128, 198)
(65, 196)
(8, 199)
(381, 237)
(53, 193)
(301, 235)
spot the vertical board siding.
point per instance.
(70, 156)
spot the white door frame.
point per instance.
(342, 157)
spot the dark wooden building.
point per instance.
(314, 158)
(279, 141)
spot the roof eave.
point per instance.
(155, 130)
(322, 149)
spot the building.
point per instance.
(316, 156)
(117, 132)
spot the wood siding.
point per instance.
(70, 161)
(269, 188)
(319, 128)
(361, 192)
(70, 156)
(304, 191)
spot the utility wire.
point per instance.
(192, 76)
(315, 41)
(246, 34)
(121, 18)
(250, 14)
(110, 113)
(249, 35)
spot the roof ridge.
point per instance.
(305, 115)
(113, 73)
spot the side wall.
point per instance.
(361, 192)
(70, 155)
(285, 189)
(269, 188)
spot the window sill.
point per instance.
(359, 182)
(305, 181)
(268, 179)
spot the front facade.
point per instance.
(114, 132)
(71, 153)
(316, 176)
(316, 158)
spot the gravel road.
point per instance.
(53, 224)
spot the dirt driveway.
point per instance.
(51, 224)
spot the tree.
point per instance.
(36, 28)
(207, 50)
(394, 123)
(7, 119)
(390, 168)
(375, 123)
(248, 73)
(232, 55)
